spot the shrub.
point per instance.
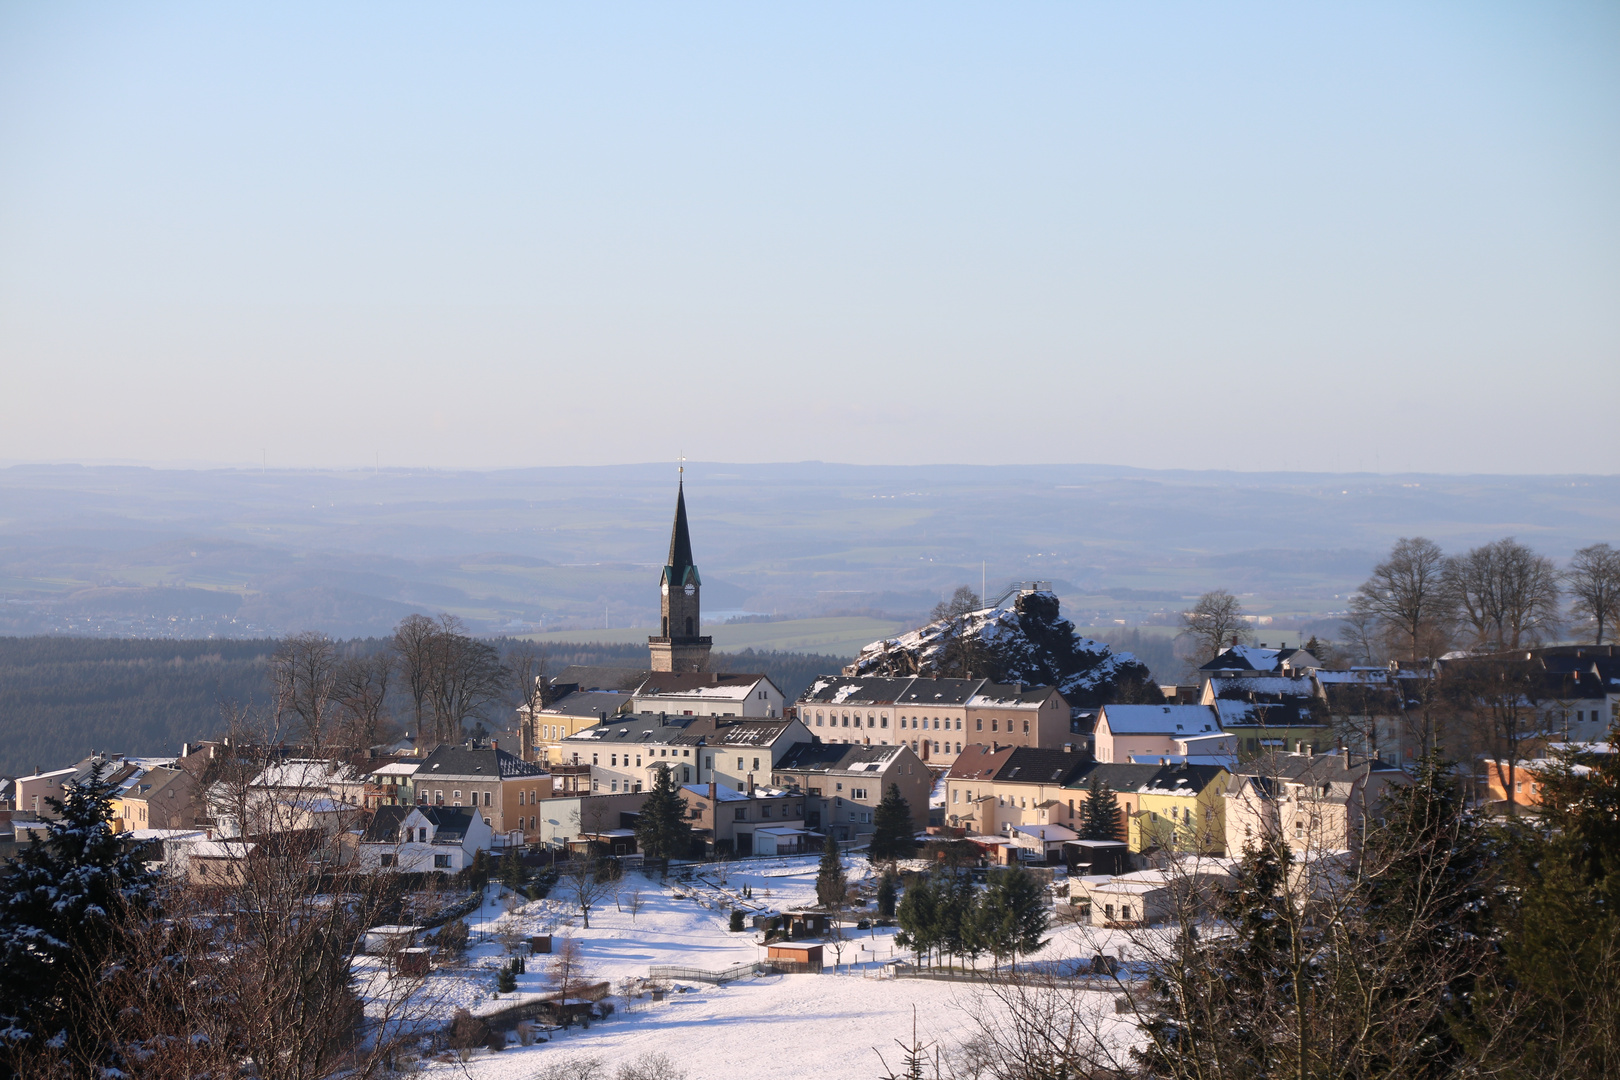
(736, 921)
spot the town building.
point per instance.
(759, 821)
(424, 839)
(623, 753)
(843, 783)
(504, 787)
(1126, 731)
(1314, 802)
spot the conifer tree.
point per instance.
(893, 835)
(918, 916)
(60, 902)
(1101, 817)
(662, 829)
(831, 884)
(887, 893)
(1011, 917)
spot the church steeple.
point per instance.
(679, 564)
(680, 644)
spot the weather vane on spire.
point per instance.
(681, 465)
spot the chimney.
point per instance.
(714, 792)
(185, 749)
(1068, 748)
(495, 745)
(750, 785)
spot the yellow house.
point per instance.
(1182, 808)
(543, 734)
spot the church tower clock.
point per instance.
(680, 645)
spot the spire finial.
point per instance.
(681, 468)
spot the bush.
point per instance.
(452, 936)
(736, 921)
(467, 1031)
(506, 982)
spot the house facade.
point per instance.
(842, 785)
(1313, 802)
(424, 839)
(505, 788)
(1124, 731)
(733, 821)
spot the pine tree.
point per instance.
(60, 901)
(893, 835)
(887, 892)
(662, 829)
(1011, 916)
(831, 885)
(1100, 819)
(918, 916)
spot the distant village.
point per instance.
(1108, 803)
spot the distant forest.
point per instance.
(63, 697)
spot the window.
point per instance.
(1026, 727)
(818, 719)
(857, 793)
(441, 862)
(993, 724)
(486, 798)
(846, 721)
(1125, 912)
(866, 817)
(613, 761)
(883, 721)
(978, 725)
(613, 785)
(756, 764)
(386, 860)
(596, 759)
(740, 814)
(956, 795)
(739, 764)
(857, 721)
(1299, 828)
(1108, 912)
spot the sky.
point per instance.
(1334, 236)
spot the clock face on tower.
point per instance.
(691, 590)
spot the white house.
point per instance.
(707, 693)
(1124, 731)
(420, 839)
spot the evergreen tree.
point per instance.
(887, 893)
(1011, 917)
(662, 829)
(1101, 818)
(831, 885)
(918, 916)
(60, 902)
(893, 835)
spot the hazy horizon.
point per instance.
(1331, 238)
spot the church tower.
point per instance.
(679, 645)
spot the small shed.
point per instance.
(1098, 856)
(415, 962)
(806, 922)
(386, 939)
(794, 956)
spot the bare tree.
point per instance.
(586, 882)
(413, 648)
(1362, 636)
(528, 662)
(1507, 593)
(1594, 584)
(568, 970)
(361, 690)
(962, 601)
(465, 677)
(1407, 597)
(303, 672)
(1214, 623)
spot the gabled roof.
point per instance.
(1009, 696)
(742, 733)
(477, 762)
(839, 757)
(700, 685)
(929, 691)
(450, 823)
(598, 677)
(588, 703)
(855, 690)
(1279, 714)
(979, 762)
(1119, 776)
(1160, 719)
(1035, 765)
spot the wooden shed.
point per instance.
(794, 956)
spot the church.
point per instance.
(680, 644)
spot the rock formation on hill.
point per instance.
(1029, 642)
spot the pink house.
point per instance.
(1124, 730)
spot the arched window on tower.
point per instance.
(666, 627)
(689, 626)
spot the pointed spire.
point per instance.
(680, 541)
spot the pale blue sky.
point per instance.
(1325, 236)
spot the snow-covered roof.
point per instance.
(1047, 833)
(398, 768)
(1160, 719)
(305, 774)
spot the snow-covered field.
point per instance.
(780, 1026)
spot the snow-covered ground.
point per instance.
(778, 1026)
